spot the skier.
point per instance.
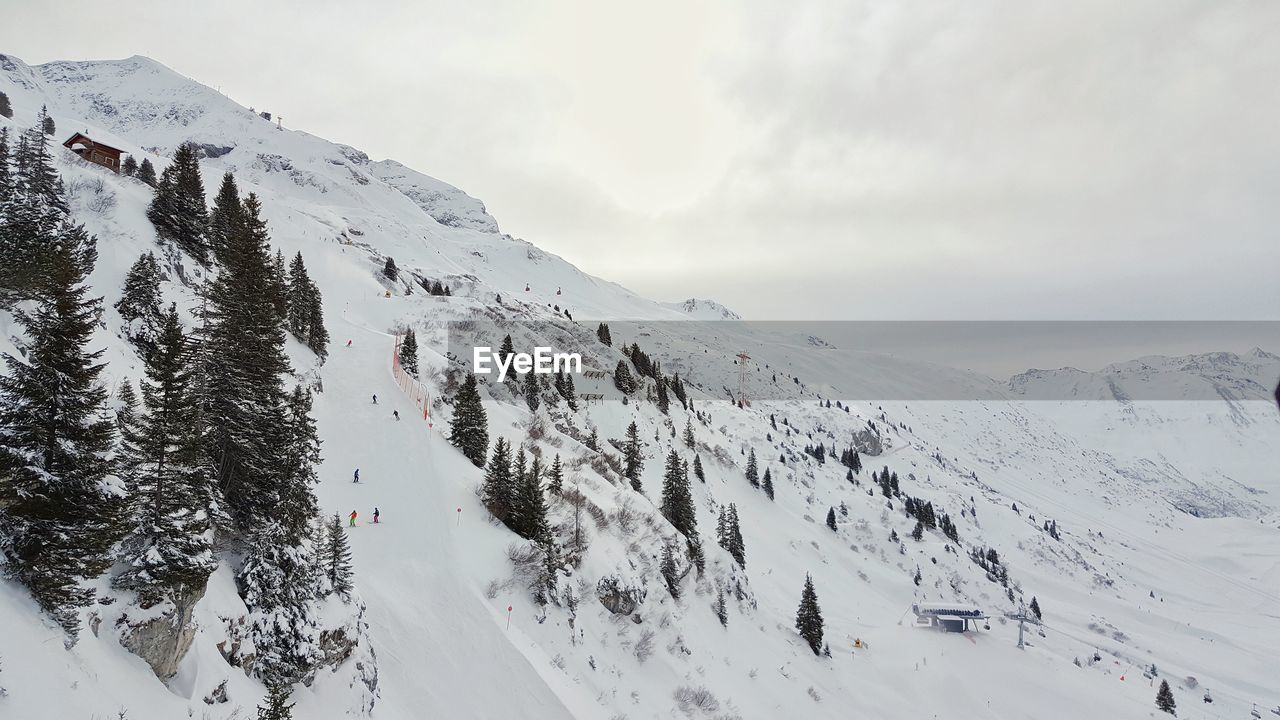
(375, 399)
(397, 414)
(353, 519)
(356, 479)
(375, 516)
(348, 343)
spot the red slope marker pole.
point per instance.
(508, 617)
(459, 517)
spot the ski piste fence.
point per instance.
(411, 387)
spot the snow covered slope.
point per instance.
(1167, 512)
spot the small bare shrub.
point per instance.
(699, 698)
(644, 646)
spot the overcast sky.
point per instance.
(794, 160)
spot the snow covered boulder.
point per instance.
(620, 597)
(867, 441)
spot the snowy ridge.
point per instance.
(1167, 511)
(1207, 376)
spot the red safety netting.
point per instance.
(416, 391)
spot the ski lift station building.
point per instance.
(948, 617)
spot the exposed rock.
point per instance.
(619, 597)
(218, 696)
(163, 639)
(867, 441)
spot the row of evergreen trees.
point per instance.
(215, 445)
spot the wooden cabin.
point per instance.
(94, 151)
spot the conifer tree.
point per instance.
(129, 167)
(729, 534)
(32, 217)
(139, 304)
(409, 352)
(689, 440)
(632, 459)
(593, 440)
(243, 346)
(498, 493)
(1164, 699)
(831, 518)
(602, 332)
(280, 287)
(126, 414)
(336, 557)
(753, 470)
(6, 110)
(147, 172)
(277, 583)
(299, 453)
(169, 549)
(390, 270)
(57, 519)
(622, 378)
(664, 401)
(6, 175)
(809, 617)
(469, 429)
(677, 501)
(529, 518)
(178, 210)
(46, 122)
(532, 392)
(555, 479)
(767, 483)
(722, 609)
(506, 350)
(697, 469)
(1035, 608)
(918, 533)
(277, 705)
(224, 216)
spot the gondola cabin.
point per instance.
(948, 617)
(94, 151)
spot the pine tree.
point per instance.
(6, 175)
(139, 304)
(1164, 699)
(831, 518)
(729, 534)
(6, 110)
(529, 514)
(677, 500)
(555, 479)
(809, 617)
(722, 609)
(59, 520)
(32, 218)
(277, 705)
(532, 392)
(506, 350)
(47, 125)
(169, 549)
(689, 440)
(178, 210)
(280, 287)
(336, 557)
(389, 269)
(768, 483)
(622, 378)
(129, 167)
(409, 352)
(277, 583)
(299, 453)
(498, 492)
(1035, 608)
(593, 440)
(224, 216)
(664, 401)
(633, 461)
(469, 429)
(243, 346)
(753, 470)
(918, 533)
(147, 172)
(602, 332)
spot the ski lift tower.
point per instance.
(743, 357)
(1023, 618)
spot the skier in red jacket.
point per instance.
(353, 518)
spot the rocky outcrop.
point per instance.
(164, 634)
(867, 441)
(619, 597)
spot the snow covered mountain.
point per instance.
(1147, 530)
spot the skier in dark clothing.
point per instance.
(396, 413)
(375, 515)
(357, 476)
(375, 399)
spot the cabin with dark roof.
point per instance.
(94, 151)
